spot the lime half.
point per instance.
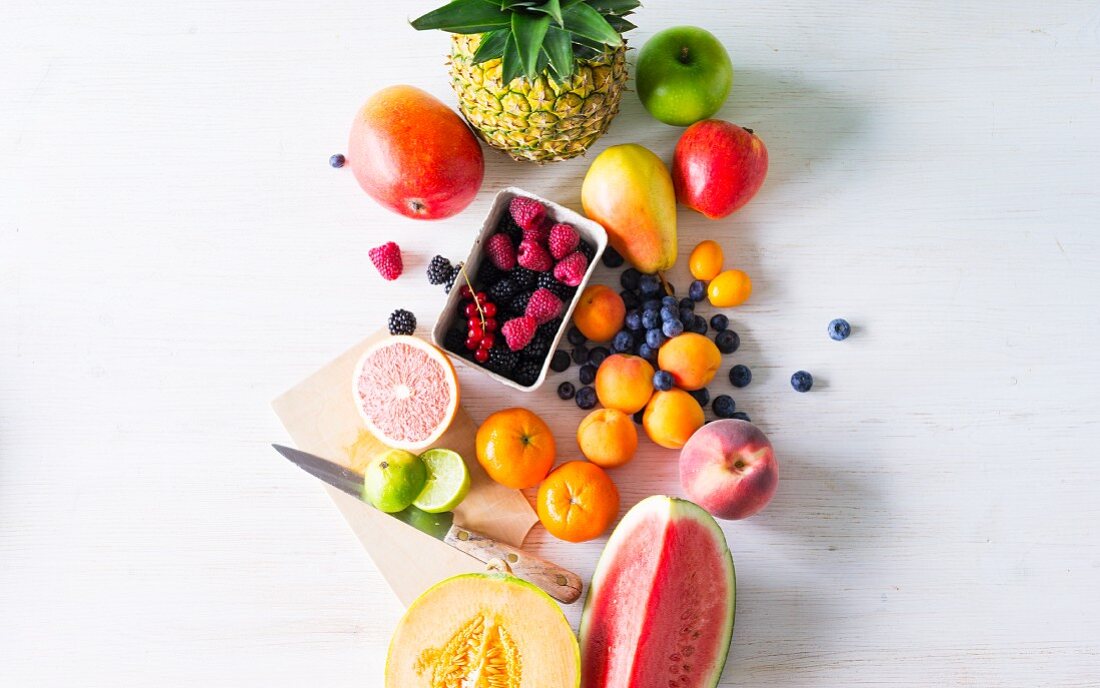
(448, 481)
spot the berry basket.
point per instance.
(591, 232)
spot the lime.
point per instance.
(448, 481)
(393, 480)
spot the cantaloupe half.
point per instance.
(483, 631)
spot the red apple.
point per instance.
(728, 468)
(718, 166)
(414, 155)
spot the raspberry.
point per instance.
(501, 252)
(518, 332)
(563, 240)
(455, 272)
(387, 259)
(534, 257)
(540, 235)
(439, 270)
(527, 212)
(570, 270)
(402, 322)
(543, 306)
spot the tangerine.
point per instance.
(578, 501)
(515, 447)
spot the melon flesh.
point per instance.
(659, 612)
(483, 631)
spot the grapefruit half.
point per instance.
(406, 392)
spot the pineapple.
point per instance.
(538, 79)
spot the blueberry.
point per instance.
(638, 416)
(612, 258)
(719, 322)
(698, 290)
(740, 375)
(575, 337)
(687, 303)
(655, 338)
(670, 301)
(672, 328)
(652, 305)
(662, 381)
(623, 342)
(337, 160)
(727, 341)
(560, 361)
(686, 316)
(724, 406)
(566, 390)
(598, 355)
(633, 321)
(740, 415)
(839, 329)
(702, 396)
(630, 299)
(647, 352)
(802, 381)
(649, 284)
(580, 354)
(698, 325)
(650, 319)
(586, 397)
(670, 313)
(629, 279)
(587, 374)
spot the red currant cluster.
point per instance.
(481, 322)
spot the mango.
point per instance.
(629, 191)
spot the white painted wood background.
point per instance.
(175, 251)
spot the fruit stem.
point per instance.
(747, 129)
(664, 283)
(685, 55)
(466, 279)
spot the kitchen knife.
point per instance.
(557, 582)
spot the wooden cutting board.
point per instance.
(320, 416)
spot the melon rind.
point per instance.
(669, 510)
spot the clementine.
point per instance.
(515, 447)
(578, 501)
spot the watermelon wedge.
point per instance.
(659, 611)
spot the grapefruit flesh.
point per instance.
(406, 392)
(660, 608)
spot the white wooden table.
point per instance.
(175, 251)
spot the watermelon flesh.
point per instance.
(659, 611)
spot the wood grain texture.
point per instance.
(175, 251)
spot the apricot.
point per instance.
(692, 359)
(599, 313)
(730, 288)
(625, 382)
(672, 417)
(607, 437)
(706, 260)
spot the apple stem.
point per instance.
(748, 130)
(685, 55)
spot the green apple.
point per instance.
(683, 75)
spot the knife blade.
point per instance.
(559, 583)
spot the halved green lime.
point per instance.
(448, 481)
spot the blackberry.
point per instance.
(566, 390)
(586, 397)
(527, 372)
(509, 227)
(702, 396)
(455, 341)
(727, 341)
(439, 270)
(502, 291)
(587, 374)
(546, 281)
(560, 362)
(612, 258)
(402, 322)
(487, 274)
(724, 406)
(456, 271)
(549, 329)
(502, 360)
(539, 346)
(587, 250)
(580, 354)
(526, 280)
(629, 279)
(518, 304)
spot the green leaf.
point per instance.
(464, 16)
(558, 45)
(619, 7)
(553, 8)
(582, 20)
(492, 45)
(619, 24)
(509, 4)
(528, 32)
(510, 64)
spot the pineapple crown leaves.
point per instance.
(530, 36)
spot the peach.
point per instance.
(599, 313)
(728, 467)
(692, 359)
(607, 437)
(671, 417)
(624, 382)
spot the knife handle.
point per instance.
(562, 585)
